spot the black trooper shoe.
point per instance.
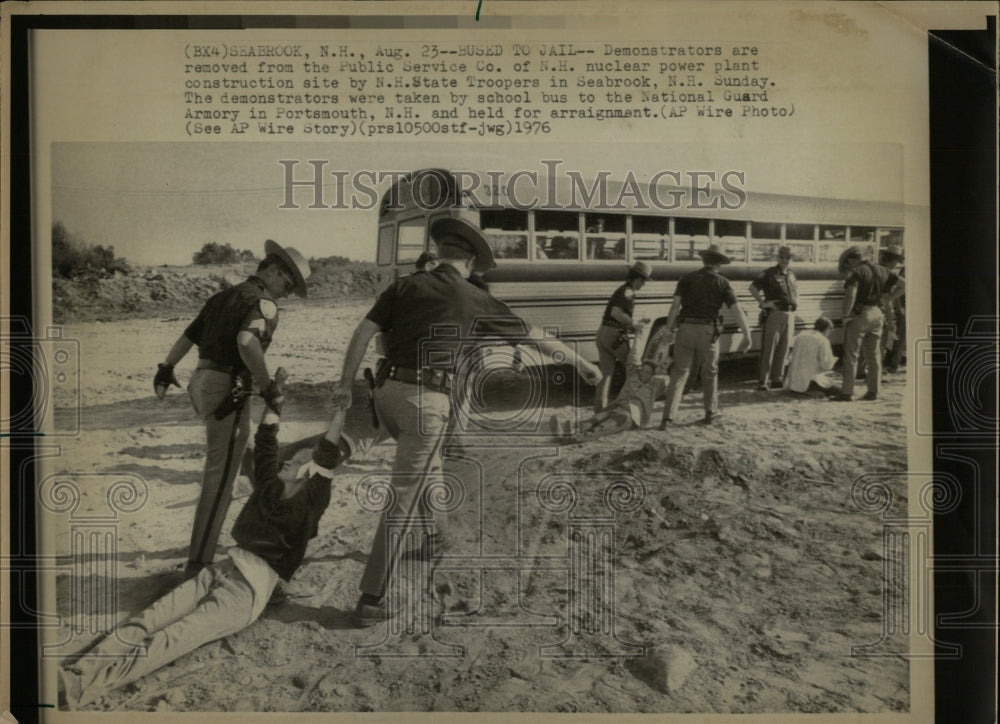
(369, 611)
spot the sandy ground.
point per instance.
(737, 572)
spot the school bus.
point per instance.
(558, 261)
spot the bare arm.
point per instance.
(675, 309)
(252, 355)
(850, 296)
(742, 319)
(619, 315)
(181, 347)
(356, 349)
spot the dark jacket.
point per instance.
(219, 322)
(278, 530)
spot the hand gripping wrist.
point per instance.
(274, 396)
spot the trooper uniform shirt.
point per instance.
(703, 293)
(779, 286)
(624, 299)
(440, 306)
(245, 307)
(872, 280)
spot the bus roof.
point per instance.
(707, 195)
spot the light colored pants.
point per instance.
(227, 441)
(216, 603)
(417, 418)
(774, 350)
(863, 334)
(694, 341)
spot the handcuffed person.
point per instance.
(272, 532)
(232, 332)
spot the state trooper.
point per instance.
(867, 288)
(776, 291)
(694, 314)
(232, 331)
(616, 324)
(412, 397)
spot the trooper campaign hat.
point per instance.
(714, 255)
(851, 252)
(294, 262)
(461, 233)
(643, 269)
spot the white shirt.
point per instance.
(812, 361)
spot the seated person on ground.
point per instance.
(632, 408)
(272, 532)
(812, 361)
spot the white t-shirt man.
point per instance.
(812, 361)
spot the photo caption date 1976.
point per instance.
(469, 89)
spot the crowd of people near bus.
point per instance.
(873, 319)
(413, 396)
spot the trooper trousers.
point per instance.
(694, 341)
(417, 418)
(774, 349)
(227, 441)
(862, 335)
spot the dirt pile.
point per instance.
(158, 291)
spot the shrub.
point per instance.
(213, 253)
(73, 257)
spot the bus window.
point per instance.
(732, 237)
(650, 237)
(890, 237)
(557, 234)
(506, 231)
(799, 238)
(862, 233)
(765, 240)
(386, 235)
(831, 243)
(411, 240)
(866, 236)
(800, 252)
(605, 237)
(690, 235)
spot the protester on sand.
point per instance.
(272, 532)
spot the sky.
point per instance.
(158, 203)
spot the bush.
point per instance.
(318, 262)
(213, 253)
(73, 257)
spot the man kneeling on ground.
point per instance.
(812, 361)
(272, 532)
